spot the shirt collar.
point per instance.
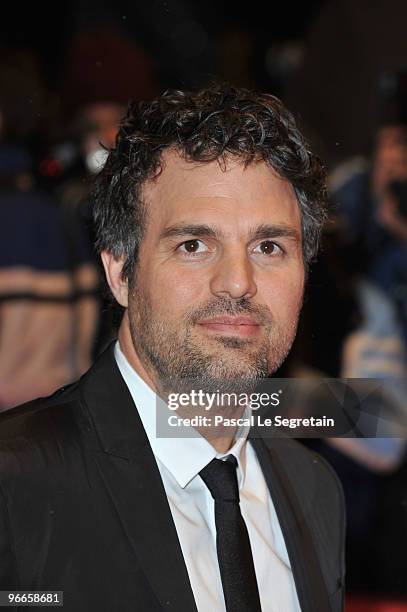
(184, 457)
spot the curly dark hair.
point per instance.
(211, 124)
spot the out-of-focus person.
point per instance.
(93, 134)
(41, 337)
(94, 97)
(372, 205)
(351, 330)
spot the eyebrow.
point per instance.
(191, 230)
(260, 232)
(264, 231)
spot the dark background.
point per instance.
(328, 59)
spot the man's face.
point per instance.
(219, 282)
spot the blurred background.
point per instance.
(66, 74)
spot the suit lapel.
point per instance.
(311, 589)
(133, 482)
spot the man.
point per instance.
(207, 213)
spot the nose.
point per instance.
(233, 276)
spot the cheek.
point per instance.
(283, 296)
(175, 292)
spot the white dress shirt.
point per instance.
(179, 461)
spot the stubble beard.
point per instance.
(177, 357)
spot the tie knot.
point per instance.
(221, 479)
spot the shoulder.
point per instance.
(43, 476)
(16, 420)
(47, 438)
(300, 461)
(313, 479)
(38, 434)
(316, 498)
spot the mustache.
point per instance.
(224, 306)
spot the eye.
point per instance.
(267, 247)
(193, 247)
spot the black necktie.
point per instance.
(232, 540)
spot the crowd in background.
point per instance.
(55, 319)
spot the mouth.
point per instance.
(240, 326)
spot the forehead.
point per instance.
(233, 195)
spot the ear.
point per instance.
(113, 269)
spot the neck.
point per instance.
(220, 444)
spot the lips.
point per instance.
(228, 320)
(242, 325)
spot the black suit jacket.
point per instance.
(83, 507)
